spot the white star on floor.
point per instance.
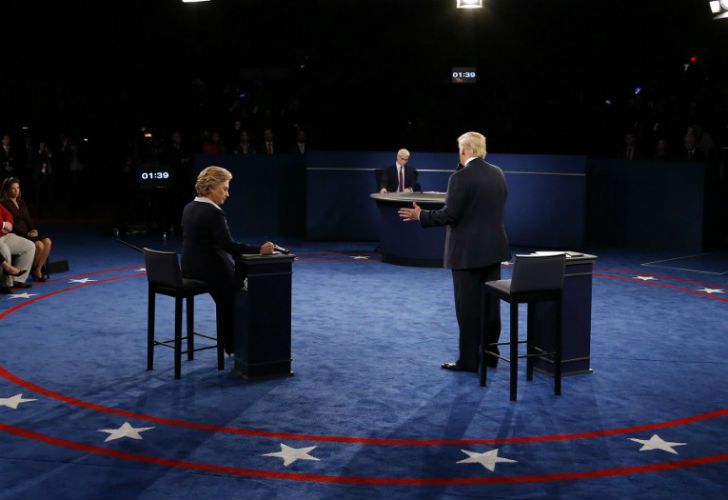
(126, 430)
(141, 269)
(21, 295)
(506, 263)
(14, 401)
(645, 278)
(487, 459)
(82, 280)
(290, 455)
(712, 290)
(657, 443)
(359, 257)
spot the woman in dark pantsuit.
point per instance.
(208, 247)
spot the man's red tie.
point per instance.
(401, 180)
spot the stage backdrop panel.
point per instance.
(545, 207)
(651, 205)
(267, 194)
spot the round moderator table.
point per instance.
(409, 243)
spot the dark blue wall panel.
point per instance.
(267, 194)
(646, 205)
(629, 204)
(545, 207)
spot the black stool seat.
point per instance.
(165, 277)
(189, 287)
(536, 278)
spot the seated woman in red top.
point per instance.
(23, 225)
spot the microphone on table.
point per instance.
(280, 249)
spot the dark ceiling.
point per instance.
(356, 65)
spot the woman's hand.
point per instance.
(266, 248)
(33, 233)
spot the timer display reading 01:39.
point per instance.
(464, 75)
(159, 175)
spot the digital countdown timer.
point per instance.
(148, 176)
(154, 178)
(464, 75)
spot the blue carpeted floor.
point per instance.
(369, 410)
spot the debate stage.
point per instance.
(369, 413)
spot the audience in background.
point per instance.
(43, 170)
(630, 148)
(12, 245)
(269, 146)
(244, 146)
(8, 159)
(690, 150)
(661, 151)
(23, 225)
(212, 143)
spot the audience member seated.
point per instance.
(690, 151)
(398, 177)
(661, 151)
(300, 147)
(6, 268)
(13, 245)
(244, 147)
(269, 145)
(212, 144)
(630, 148)
(23, 225)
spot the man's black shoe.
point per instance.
(454, 366)
(20, 284)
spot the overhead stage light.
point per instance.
(719, 8)
(194, 1)
(470, 4)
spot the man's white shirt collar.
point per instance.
(469, 160)
(203, 199)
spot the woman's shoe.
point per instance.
(14, 275)
(41, 279)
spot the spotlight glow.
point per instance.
(719, 8)
(194, 1)
(469, 4)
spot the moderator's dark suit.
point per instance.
(206, 249)
(475, 245)
(390, 181)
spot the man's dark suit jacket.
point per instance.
(390, 181)
(207, 246)
(8, 162)
(473, 213)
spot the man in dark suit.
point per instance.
(399, 178)
(8, 160)
(475, 243)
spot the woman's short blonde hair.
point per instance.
(210, 177)
(473, 141)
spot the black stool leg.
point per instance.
(220, 351)
(150, 327)
(557, 356)
(529, 346)
(514, 350)
(482, 345)
(177, 337)
(190, 327)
